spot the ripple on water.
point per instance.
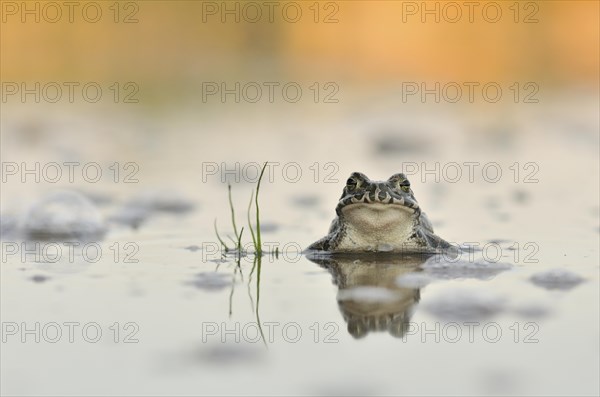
(211, 281)
(163, 200)
(269, 227)
(442, 268)
(137, 210)
(131, 216)
(225, 354)
(38, 278)
(465, 304)
(532, 310)
(192, 248)
(560, 279)
(307, 201)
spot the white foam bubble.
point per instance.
(64, 214)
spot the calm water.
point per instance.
(519, 317)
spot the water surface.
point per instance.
(523, 322)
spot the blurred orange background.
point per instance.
(170, 45)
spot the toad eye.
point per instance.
(404, 185)
(351, 184)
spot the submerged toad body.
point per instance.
(379, 216)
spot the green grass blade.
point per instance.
(232, 213)
(231, 293)
(239, 244)
(258, 245)
(258, 266)
(219, 237)
(249, 221)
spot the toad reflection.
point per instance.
(368, 296)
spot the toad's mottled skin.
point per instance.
(377, 216)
